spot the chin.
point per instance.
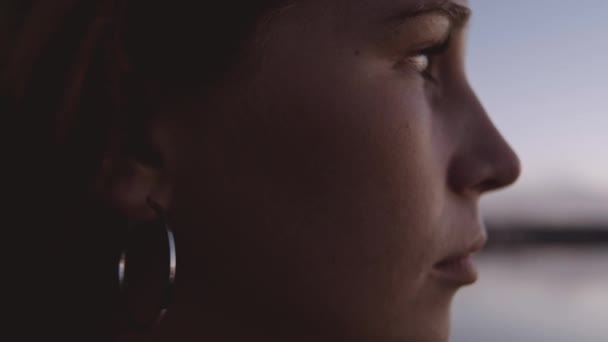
(431, 323)
(433, 332)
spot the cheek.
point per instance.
(354, 157)
(392, 172)
(327, 192)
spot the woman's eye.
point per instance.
(421, 62)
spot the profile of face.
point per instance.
(333, 194)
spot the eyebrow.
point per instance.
(457, 14)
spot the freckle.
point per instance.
(357, 52)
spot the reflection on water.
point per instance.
(537, 295)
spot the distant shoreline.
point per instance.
(523, 235)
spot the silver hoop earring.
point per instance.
(167, 293)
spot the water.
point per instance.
(536, 295)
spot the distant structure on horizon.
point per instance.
(546, 208)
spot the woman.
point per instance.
(320, 163)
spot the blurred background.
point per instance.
(541, 69)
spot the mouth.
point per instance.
(458, 269)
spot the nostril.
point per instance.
(478, 173)
(493, 184)
(489, 185)
(505, 174)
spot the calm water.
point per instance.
(537, 295)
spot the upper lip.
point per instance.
(474, 247)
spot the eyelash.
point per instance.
(429, 53)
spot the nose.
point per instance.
(483, 161)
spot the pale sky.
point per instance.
(541, 69)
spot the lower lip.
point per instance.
(456, 272)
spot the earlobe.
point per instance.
(128, 185)
(134, 170)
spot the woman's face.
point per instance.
(334, 194)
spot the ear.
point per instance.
(132, 175)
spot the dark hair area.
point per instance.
(74, 75)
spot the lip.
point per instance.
(456, 272)
(458, 269)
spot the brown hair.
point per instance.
(72, 73)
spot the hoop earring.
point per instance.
(167, 294)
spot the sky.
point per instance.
(540, 67)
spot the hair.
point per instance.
(73, 73)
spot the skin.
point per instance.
(313, 198)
